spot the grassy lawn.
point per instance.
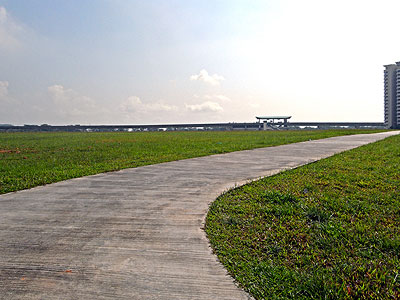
(328, 230)
(32, 159)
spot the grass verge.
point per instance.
(32, 159)
(327, 230)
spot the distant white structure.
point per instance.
(274, 122)
(392, 95)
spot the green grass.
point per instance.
(32, 159)
(327, 230)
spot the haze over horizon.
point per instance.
(143, 62)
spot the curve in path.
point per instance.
(135, 233)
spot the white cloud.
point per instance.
(134, 105)
(207, 106)
(130, 105)
(209, 79)
(218, 97)
(254, 105)
(3, 15)
(70, 103)
(10, 31)
(10, 108)
(3, 84)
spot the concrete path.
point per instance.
(136, 233)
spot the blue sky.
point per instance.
(134, 62)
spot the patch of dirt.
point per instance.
(9, 151)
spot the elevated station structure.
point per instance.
(274, 122)
(194, 127)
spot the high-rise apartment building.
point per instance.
(392, 95)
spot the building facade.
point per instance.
(392, 95)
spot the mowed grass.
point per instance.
(32, 159)
(327, 230)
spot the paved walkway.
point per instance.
(136, 233)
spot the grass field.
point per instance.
(32, 159)
(327, 230)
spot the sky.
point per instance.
(180, 61)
